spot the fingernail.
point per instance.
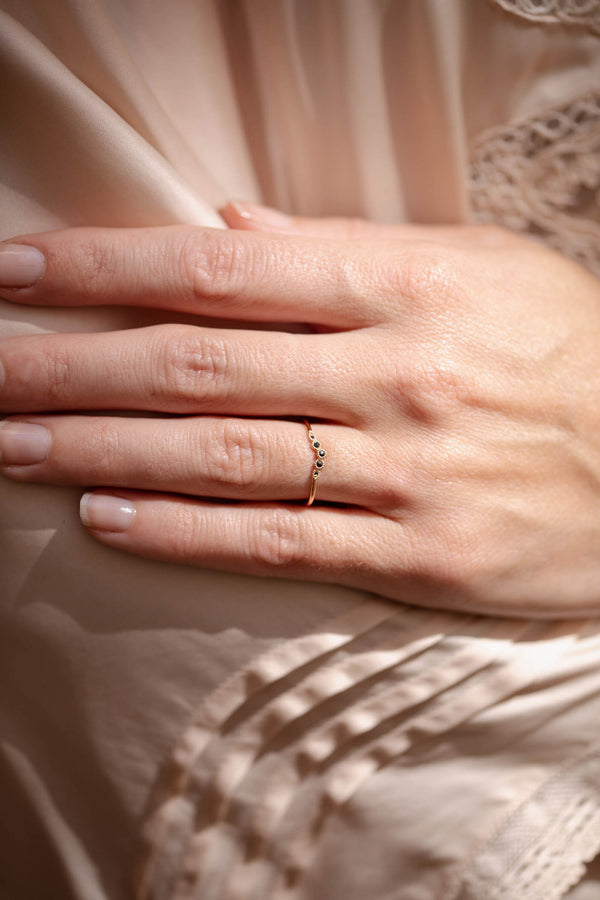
(20, 265)
(22, 444)
(265, 215)
(105, 512)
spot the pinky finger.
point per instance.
(317, 543)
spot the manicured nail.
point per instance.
(105, 512)
(22, 444)
(20, 265)
(265, 215)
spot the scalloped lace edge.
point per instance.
(534, 861)
(541, 176)
(586, 14)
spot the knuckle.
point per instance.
(40, 368)
(426, 274)
(58, 366)
(428, 388)
(413, 392)
(238, 454)
(393, 494)
(100, 261)
(185, 536)
(219, 265)
(276, 540)
(391, 476)
(102, 446)
(352, 278)
(193, 366)
(441, 387)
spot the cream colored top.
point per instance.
(226, 738)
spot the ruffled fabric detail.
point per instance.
(585, 13)
(542, 177)
(278, 750)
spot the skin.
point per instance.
(452, 374)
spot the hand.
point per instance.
(452, 374)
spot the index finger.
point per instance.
(205, 271)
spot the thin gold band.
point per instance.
(319, 463)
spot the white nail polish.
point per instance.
(105, 512)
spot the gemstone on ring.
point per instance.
(319, 463)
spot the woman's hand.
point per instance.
(452, 375)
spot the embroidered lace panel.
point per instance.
(570, 12)
(542, 177)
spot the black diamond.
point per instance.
(319, 464)
(316, 444)
(322, 453)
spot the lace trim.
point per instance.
(570, 12)
(542, 850)
(542, 177)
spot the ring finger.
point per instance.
(227, 458)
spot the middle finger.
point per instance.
(181, 369)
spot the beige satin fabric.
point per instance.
(217, 736)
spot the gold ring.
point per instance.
(320, 455)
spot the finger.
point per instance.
(252, 217)
(324, 544)
(242, 215)
(181, 369)
(205, 271)
(242, 459)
